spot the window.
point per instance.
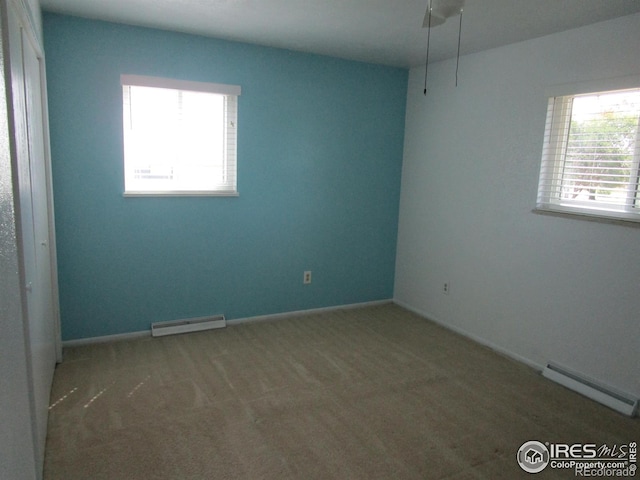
(591, 155)
(179, 137)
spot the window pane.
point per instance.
(600, 165)
(175, 140)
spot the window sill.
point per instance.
(588, 217)
(181, 194)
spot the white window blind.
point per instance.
(180, 137)
(590, 161)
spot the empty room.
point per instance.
(319, 240)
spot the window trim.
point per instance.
(548, 165)
(227, 90)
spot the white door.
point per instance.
(33, 198)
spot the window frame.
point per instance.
(231, 94)
(557, 128)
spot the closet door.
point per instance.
(35, 224)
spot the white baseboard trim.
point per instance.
(480, 340)
(278, 316)
(230, 322)
(106, 339)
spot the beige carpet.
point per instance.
(371, 393)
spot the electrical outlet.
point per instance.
(306, 279)
(446, 287)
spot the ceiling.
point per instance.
(387, 32)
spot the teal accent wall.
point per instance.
(319, 165)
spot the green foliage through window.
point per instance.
(591, 155)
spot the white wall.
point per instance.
(541, 288)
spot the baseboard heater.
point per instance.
(621, 402)
(159, 329)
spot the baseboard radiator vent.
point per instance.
(159, 329)
(621, 402)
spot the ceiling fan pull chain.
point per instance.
(459, 38)
(426, 63)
